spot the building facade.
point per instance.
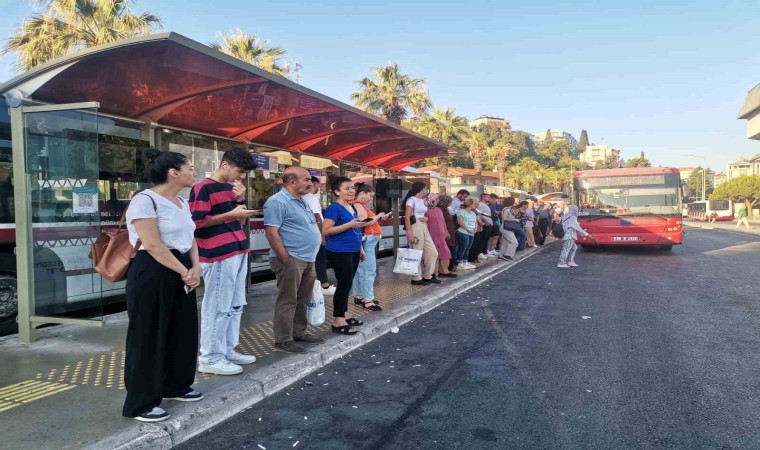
(488, 120)
(597, 153)
(744, 166)
(751, 113)
(557, 135)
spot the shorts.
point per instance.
(496, 231)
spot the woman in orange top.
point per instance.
(364, 281)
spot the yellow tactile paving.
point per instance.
(29, 391)
(106, 370)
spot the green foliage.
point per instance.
(695, 182)
(742, 189)
(256, 51)
(392, 95)
(548, 139)
(71, 25)
(554, 152)
(583, 142)
(641, 161)
(610, 162)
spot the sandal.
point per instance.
(345, 329)
(359, 301)
(372, 306)
(354, 322)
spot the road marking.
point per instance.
(749, 247)
(28, 391)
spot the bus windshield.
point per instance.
(631, 195)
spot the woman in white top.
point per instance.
(162, 337)
(417, 234)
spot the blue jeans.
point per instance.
(364, 280)
(222, 307)
(520, 234)
(464, 242)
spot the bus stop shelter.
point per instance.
(127, 94)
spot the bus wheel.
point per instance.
(666, 248)
(8, 297)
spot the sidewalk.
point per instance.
(66, 389)
(754, 226)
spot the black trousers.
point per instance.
(320, 265)
(162, 337)
(543, 229)
(344, 265)
(480, 244)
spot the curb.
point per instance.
(191, 419)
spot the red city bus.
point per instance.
(637, 206)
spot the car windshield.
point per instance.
(630, 195)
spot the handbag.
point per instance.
(112, 253)
(315, 309)
(408, 262)
(558, 231)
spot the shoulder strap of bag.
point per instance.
(155, 208)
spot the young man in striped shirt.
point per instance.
(219, 212)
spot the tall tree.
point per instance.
(256, 51)
(392, 94)
(697, 180)
(66, 26)
(582, 142)
(478, 145)
(503, 151)
(742, 189)
(548, 139)
(446, 126)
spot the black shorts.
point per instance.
(496, 231)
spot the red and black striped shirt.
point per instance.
(216, 242)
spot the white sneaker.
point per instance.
(563, 266)
(239, 358)
(482, 256)
(494, 253)
(330, 290)
(572, 264)
(466, 266)
(220, 367)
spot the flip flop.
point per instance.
(354, 322)
(345, 329)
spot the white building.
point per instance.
(751, 113)
(595, 153)
(719, 178)
(488, 120)
(744, 166)
(557, 135)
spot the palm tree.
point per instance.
(502, 152)
(478, 144)
(446, 126)
(256, 51)
(71, 25)
(392, 95)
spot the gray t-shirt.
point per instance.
(486, 210)
(297, 225)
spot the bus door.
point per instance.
(57, 213)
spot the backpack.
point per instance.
(557, 230)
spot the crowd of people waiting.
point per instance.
(178, 241)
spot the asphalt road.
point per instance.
(633, 349)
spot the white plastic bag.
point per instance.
(408, 261)
(315, 309)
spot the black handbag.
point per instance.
(557, 230)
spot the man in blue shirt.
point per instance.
(294, 239)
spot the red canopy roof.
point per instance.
(170, 80)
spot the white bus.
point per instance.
(703, 210)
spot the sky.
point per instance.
(664, 77)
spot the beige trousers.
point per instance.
(429, 252)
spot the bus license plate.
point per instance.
(626, 238)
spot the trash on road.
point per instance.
(585, 317)
(394, 330)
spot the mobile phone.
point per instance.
(368, 219)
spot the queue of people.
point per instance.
(178, 241)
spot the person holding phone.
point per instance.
(342, 229)
(218, 204)
(364, 280)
